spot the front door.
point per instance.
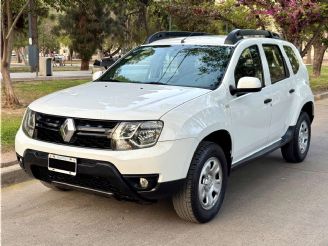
(250, 113)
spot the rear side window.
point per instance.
(292, 58)
(249, 65)
(276, 62)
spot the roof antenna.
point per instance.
(183, 40)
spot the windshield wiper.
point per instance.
(156, 83)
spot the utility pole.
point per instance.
(33, 51)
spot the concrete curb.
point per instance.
(8, 163)
(12, 175)
(321, 96)
(11, 172)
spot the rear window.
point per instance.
(292, 58)
(276, 62)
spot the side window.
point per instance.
(249, 65)
(276, 62)
(292, 58)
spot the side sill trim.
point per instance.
(284, 140)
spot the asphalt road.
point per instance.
(268, 202)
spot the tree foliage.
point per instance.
(48, 40)
(211, 16)
(294, 18)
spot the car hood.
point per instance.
(116, 101)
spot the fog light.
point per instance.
(143, 183)
(20, 160)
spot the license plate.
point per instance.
(62, 164)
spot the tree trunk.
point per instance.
(319, 52)
(315, 36)
(84, 64)
(9, 94)
(70, 50)
(309, 56)
(21, 51)
(10, 99)
(18, 55)
(145, 19)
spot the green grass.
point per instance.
(20, 69)
(320, 83)
(9, 126)
(27, 92)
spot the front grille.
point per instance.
(89, 133)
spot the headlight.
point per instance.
(136, 135)
(29, 122)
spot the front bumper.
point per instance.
(168, 160)
(99, 177)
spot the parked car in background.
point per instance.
(59, 60)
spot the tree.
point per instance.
(320, 46)
(135, 20)
(211, 16)
(87, 24)
(20, 42)
(47, 40)
(293, 17)
(11, 13)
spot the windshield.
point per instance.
(191, 66)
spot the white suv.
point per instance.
(172, 118)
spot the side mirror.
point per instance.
(246, 85)
(96, 75)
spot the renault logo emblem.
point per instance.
(67, 130)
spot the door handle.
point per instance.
(291, 91)
(268, 100)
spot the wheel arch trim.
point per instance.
(223, 138)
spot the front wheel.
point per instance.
(201, 196)
(296, 150)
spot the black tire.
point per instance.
(54, 187)
(291, 152)
(186, 201)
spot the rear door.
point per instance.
(280, 90)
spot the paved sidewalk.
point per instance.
(8, 159)
(27, 76)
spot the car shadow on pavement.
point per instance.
(245, 184)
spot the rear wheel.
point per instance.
(296, 150)
(201, 197)
(54, 187)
